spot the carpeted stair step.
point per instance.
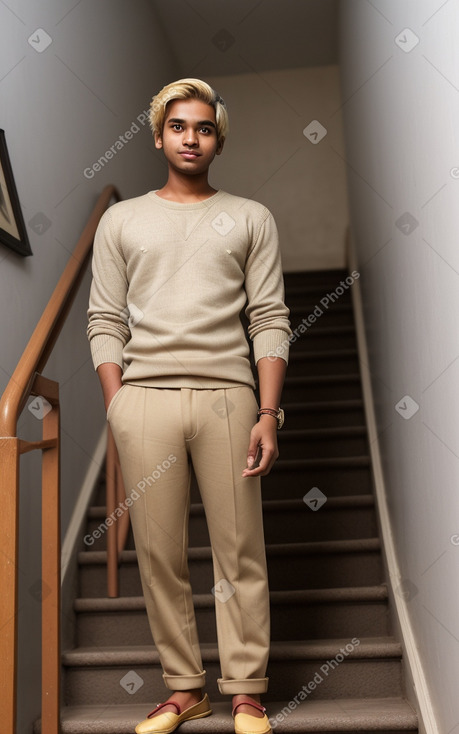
(382, 715)
(318, 336)
(323, 387)
(331, 314)
(292, 478)
(326, 277)
(286, 520)
(339, 518)
(314, 293)
(290, 566)
(323, 442)
(321, 337)
(292, 520)
(321, 362)
(323, 413)
(321, 613)
(325, 564)
(338, 476)
(342, 668)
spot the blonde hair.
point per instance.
(188, 89)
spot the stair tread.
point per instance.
(325, 546)
(313, 287)
(338, 595)
(369, 648)
(98, 512)
(337, 462)
(204, 552)
(322, 353)
(319, 405)
(333, 503)
(311, 379)
(331, 330)
(321, 433)
(312, 274)
(315, 715)
(310, 305)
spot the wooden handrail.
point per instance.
(27, 380)
(41, 343)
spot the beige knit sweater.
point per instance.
(169, 282)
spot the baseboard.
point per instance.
(73, 541)
(417, 690)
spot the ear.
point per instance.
(220, 144)
(158, 141)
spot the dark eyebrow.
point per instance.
(200, 122)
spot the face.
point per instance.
(189, 137)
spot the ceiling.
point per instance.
(215, 37)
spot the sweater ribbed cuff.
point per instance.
(271, 343)
(106, 348)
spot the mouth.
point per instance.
(189, 155)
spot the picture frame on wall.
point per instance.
(13, 232)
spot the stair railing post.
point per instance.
(112, 529)
(51, 560)
(9, 516)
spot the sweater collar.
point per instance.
(186, 205)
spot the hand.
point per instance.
(263, 439)
(109, 395)
(110, 379)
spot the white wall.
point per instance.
(61, 109)
(268, 158)
(401, 115)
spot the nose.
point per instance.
(190, 137)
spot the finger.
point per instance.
(253, 450)
(268, 457)
(252, 472)
(251, 458)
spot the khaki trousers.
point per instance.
(158, 432)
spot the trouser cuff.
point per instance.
(243, 685)
(185, 682)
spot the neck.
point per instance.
(183, 188)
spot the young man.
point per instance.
(172, 270)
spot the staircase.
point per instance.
(334, 664)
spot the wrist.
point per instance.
(265, 417)
(276, 413)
